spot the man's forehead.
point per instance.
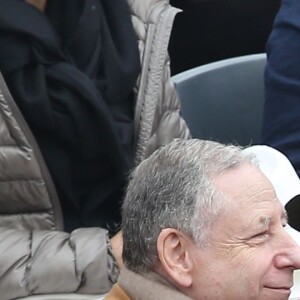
(245, 182)
(242, 173)
(251, 198)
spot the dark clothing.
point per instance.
(211, 30)
(71, 73)
(42, 259)
(281, 126)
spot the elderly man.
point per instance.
(201, 221)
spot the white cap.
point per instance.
(279, 170)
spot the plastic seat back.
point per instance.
(223, 101)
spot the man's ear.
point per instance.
(175, 257)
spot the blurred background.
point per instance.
(211, 30)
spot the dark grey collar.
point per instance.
(139, 287)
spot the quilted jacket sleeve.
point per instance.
(41, 262)
(157, 114)
(167, 123)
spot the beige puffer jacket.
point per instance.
(157, 114)
(36, 256)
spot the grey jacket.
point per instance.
(36, 256)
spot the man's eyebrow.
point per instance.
(265, 221)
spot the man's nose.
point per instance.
(289, 257)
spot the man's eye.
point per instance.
(261, 235)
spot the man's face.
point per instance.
(250, 255)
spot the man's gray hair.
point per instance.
(174, 188)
